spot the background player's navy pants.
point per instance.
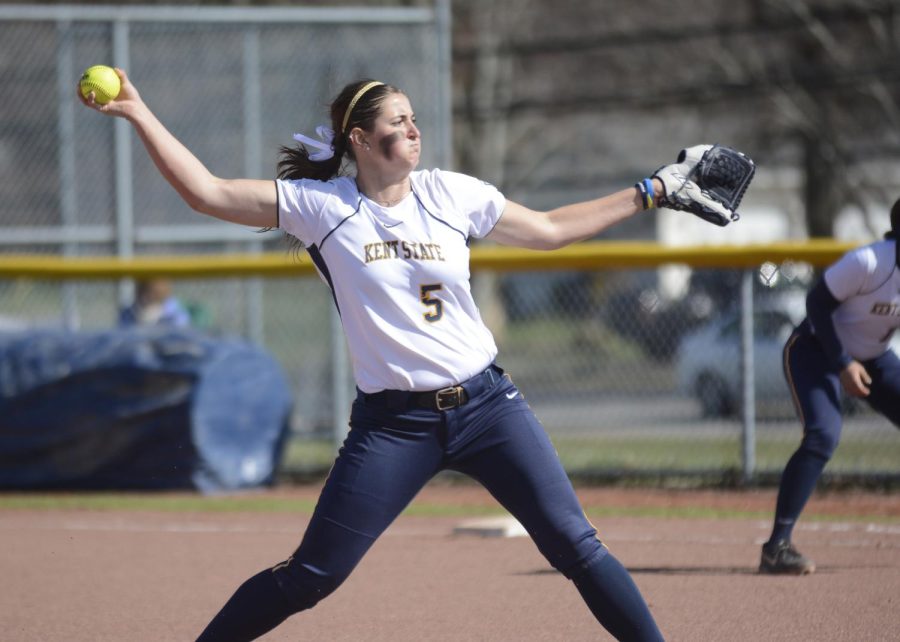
(392, 452)
(816, 389)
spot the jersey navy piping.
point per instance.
(277, 207)
(439, 220)
(318, 260)
(344, 220)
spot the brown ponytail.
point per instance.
(294, 162)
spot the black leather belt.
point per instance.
(436, 400)
(443, 399)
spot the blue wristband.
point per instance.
(650, 197)
(645, 188)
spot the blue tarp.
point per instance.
(146, 408)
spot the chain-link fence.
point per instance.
(630, 378)
(630, 375)
(632, 381)
(233, 84)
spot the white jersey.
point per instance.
(867, 282)
(400, 275)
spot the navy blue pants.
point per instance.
(816, 389)
(392, 451)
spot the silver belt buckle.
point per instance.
(453, 396)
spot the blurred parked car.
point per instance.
(640, 313)
(708, 360)
(658, 324)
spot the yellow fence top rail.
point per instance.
(592, 255)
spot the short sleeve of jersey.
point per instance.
(480, 202)
(848, 276)
(300, 203)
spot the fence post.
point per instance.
(339, 377)
(748, 379)
(67, 189)
(443, 27)
(124, 167)
(254, 309)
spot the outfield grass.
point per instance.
(264, 503)
(165, 502)
(649, 453)
(723, 452)
(195, 503)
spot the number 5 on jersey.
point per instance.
(436, 305)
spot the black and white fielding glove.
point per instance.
(708, 181)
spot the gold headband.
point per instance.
(355, 100)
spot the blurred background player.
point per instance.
(852, 312)
(392, 243)
(154, 304)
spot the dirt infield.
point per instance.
(78, 575)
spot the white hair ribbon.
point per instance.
(325, 146)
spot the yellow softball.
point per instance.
(103, 81)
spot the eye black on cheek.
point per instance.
(387, 142)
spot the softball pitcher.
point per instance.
(852, 312)
(392, 244)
